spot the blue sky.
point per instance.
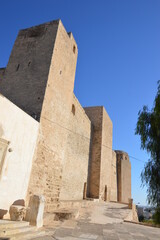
(118, 62)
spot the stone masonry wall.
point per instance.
(77, 154)
(95, 114)
(126, 179)
(27, 71)
(101, 153)
(2, 72)
(49, 159)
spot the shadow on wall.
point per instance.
(2, 213)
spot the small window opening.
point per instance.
(73, 109)
(74, 48)
(17, 67)
(105, 193)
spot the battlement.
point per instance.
(122, 154)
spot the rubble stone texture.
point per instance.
(17, 213)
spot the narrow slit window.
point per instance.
(74, 48)
(73, 109)
(17, 67)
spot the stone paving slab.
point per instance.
(87, 227)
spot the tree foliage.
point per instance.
(148, 127)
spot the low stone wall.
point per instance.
(132, 216)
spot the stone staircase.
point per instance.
(12, 230)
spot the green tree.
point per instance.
(148, 127)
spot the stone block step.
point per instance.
(11, 231)
(26, 235)
(12, 224)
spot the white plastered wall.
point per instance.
(21, 131)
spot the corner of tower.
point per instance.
(71, 37)
(70, 34)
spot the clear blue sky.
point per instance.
(118, 63)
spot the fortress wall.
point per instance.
(113, 196)
(95, 114)
(18, 136)
(77, 155)
(27, 71)
(106, 156)
(2, 71)
(124, 176)
(70, 144)
(49, 159)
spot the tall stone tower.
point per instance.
(100, 170)
(123, 177)
(39, 79)
(31, 63)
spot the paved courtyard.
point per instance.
(102, 222)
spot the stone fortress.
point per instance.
(49, 143)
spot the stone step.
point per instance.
(26, 235)
(12, 224)
(11, 231)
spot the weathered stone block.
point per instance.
(64, 214)
(130, 203)
(35, 210)
(17, 213)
